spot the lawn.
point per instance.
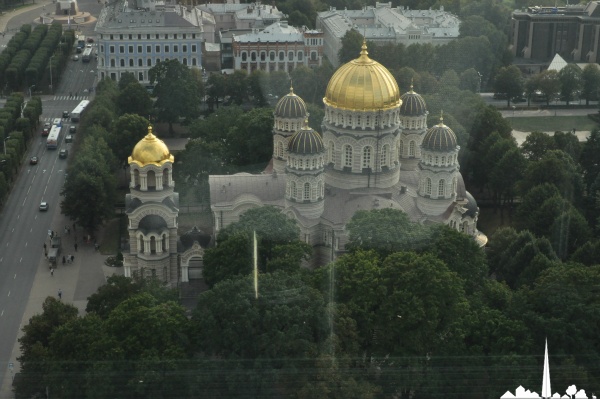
(552, 123)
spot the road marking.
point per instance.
(13, 230)
(2, 314)
(21, 260)
(8, 293)
(15, 276)
(26, 243)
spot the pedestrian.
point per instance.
(59, 293)
(70, 94)
(96, 246)
(45, 247)
(64, 260)
(52, 271)
(51, 234)
(68, 230)
(72, 258)
(65, 231)
(75, 247)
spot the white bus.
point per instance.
(87, 54)
(57, 122)
(76, 114)
(53, 136)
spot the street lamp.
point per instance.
(51, 73)
(6, 138)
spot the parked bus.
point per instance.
(76, 114)
(87, 54)
(52, 141)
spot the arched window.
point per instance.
(347, 155)
(281, 56)
(141, 248)
(454, 186)
(272, 56)
(320, 189)
(428, 186)
(253, 56)
(366, 157)
(293, 190)
(280, 149)
(306, 191)
(385, 155)
(122, 62)
(401, 148)
(411, 149)
(263, 56)
(291, 56)
(441, 188)
(130, 62)
(300, 55)
(330, 149)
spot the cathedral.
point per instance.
(376, 152)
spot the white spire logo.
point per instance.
(546, 390)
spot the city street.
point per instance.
(23, 227)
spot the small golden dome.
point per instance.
(363, 85)
(150, 150)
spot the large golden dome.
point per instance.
(150, 150)
(363, 85)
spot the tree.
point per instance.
(590, 82)
(126, 79)
(258, 87)
(510, 81)
(88, 193)
(351, 43)
(536, 145)
(236, 86)
(558, 168)
(548, 83)
(177, 92)
(461, 254)
(385, 231)
(590, 158)
(128, 130)
(134, 99)
(278, 246)
(35, 343)
(110, 295)
(250, 141)
(570, 82)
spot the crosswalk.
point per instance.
(73, 98)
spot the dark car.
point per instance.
(46, 129)
(33, 161)
(63, 153)
(72, 129)
(90, 40)
(68, 138)
(65, 114)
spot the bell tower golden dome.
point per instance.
(363, 85)
(150, 150)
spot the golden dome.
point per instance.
(150, 150)
(363, 85)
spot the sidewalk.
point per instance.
(77, 280)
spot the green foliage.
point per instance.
(570, 82)
(178, 93)
(351, 43)
(89, 190)
(134, 99)
(590, 82)
(278, 246)
(128, 130)
(385, 231)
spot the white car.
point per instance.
(75, 57)
(44, 206)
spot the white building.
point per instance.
(385, 24)
(278, 47)
(134, 36)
